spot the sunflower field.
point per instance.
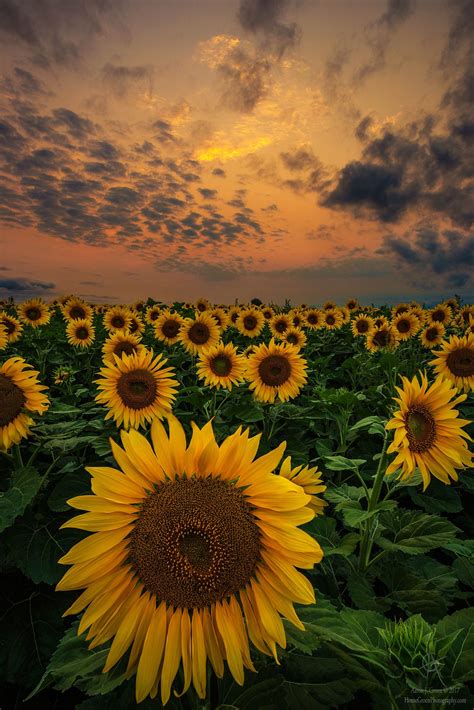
(250, 507)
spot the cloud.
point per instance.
(21, 285)
(122, 79)
(263, 18)
(379, 35)
(219, 172)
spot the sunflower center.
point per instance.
(195, 542)
(77, 312)
(12, 400)
(199, 333)
(9, 326)
(421, 429)
(362, 326)
(296, 321)
(201, 307)
(403, 326)
(133, 327)
(124, 347)
(292, 338)
(234, 317)
(170, 328)
(431, 334)
(82, 333)
(274, 370)
(250, 322)
(312, 318)
(33, 313)
(438, 315)
(330, 320)
(221, 365)
(382, 338)
(280, 326)
(137, 389)
(118, 322)
(154, 315)
(461, 362)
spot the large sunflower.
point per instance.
(250, 322)
(432, 335)
(276, 370)
(136, 388)
(119, 343)
(34, 312)
(362, 325)
(12, 326)
(80, 333)
(428, 433)
(455, 361)
(19, 391)
(406, 325)
(117, 318)
(76, 309)
(192, 555)
(167, 327)
(199, 333)
(221, 366)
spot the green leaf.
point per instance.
(354, 514)
(318, 682)
(415, 533)
(374, 424)
(460, 657)
(438, 499)
(343, 494)
(341, 463)
(72, 484)
(24, 485)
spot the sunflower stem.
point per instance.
(367, 542)
(17, 457)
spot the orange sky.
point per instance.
(294, 149)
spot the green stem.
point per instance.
(17, 457)
(366, 543)
(212, 410)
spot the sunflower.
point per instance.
(199, 333)
(250, 322)
(12, 326)
(276, 370)
(221, 317)
(221, 366)
(455, 361)
(138, 306)
(400, 308)
(119, 343)
(136, 388)
(117, 318)
(202, 304)
(297, 317)
(193, 554)
(440, 314)
(406, 325)
(295, 337)
(329, 306)
(310, 481)
(465, 312)
(268, 312)
(353, 304)
(250, 349)
(3, 337)
(152, 314)
(332, 318)
(469, 329)
(233, 313)
(384, 338)
(76, 309)
(420, 313)
(167, 327)
(19, 391)
(380, 321)
(279, 324)
(432, 335)
(80, 333)
(428, 433)
(137, 326)
(314, 318)
(34, 312)
(361, 325)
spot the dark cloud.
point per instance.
(121, 79)
(24, 83)
(300, 160)
(78, 126)
(263, 18)
(15, 22)
(246, 79)
(219, 172)
(379, 36)
(207, 193)
(362, 128)
(313, 176)
(448, 254)
(19, 285)
(270, 208)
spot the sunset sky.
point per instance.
(302, 149)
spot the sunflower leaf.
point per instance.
(415, 533)
(24, 485)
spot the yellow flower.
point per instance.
(12, 326)
(117, 318)
(80, 333)
(296, 337)
(383, 338)
(119, 343)
(76, 309)
(276, 371)
(199, 333)
(221, 366)
(406, 325)
(193, 554)
(432, 335)
(362, 325)
(19, 391)
(250, 322)
(34, 312)
(455, 361)
(428, 432)
(310, 481)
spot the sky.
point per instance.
(280, 149)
